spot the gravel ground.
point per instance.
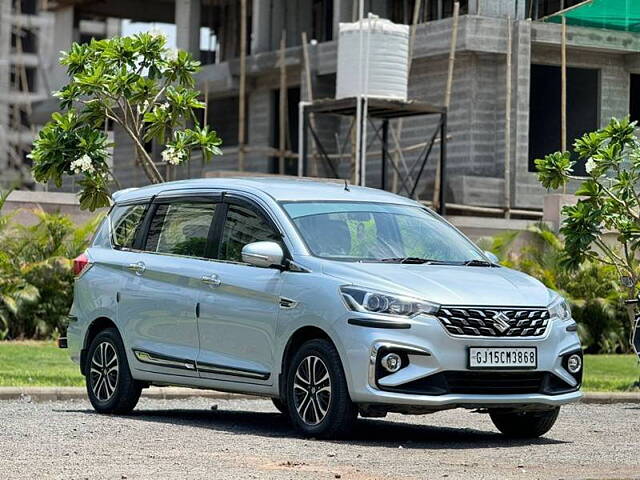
(244, 439)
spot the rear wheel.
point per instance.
(317, 395)
(524, 424)
(110, 386)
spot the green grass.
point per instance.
(43, 364)
(611, 373)
(37, 364)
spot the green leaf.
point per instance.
(554, 169)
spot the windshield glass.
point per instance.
(361, 231)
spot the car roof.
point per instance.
(278, 188)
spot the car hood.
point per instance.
(446, 284)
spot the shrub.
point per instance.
(592, 289)
(36, 278)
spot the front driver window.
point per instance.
(181, 229)
(243, 226)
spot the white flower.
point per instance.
(590, 165)
(143, 108)
(164, 106)
(173, 156)
(172, 54)
(83, 164)
(155, 33)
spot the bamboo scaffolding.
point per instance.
(447, 96)
(396, 133)
(243, 84)
(282, 103)
(507, 125)
(563, 107)
(312, 121)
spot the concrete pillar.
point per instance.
(278, 13)
(113, 27)
(187, 19)
(342, 12)
(499, 8)
(260, 26)
(520, 84)
(63, 37)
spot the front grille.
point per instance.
(494, 382)
(482, 322)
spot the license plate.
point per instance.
(503, 357)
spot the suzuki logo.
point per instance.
(501, 322)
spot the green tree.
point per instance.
(609, 200)
(140, 85)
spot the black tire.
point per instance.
(340, 413)
(107, 392)
(524, 424)
(280, 405)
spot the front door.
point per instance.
(239, 308)
(161, 310)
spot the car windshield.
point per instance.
(378, 232)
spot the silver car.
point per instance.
(334, 301)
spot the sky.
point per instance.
(169, 29)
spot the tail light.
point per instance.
(81, 264)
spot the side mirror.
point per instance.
(492, 256)
(263, 254)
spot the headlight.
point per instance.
(560, 308)
(365, 300)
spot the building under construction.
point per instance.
(509, 95)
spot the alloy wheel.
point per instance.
(312, 390)
(104, 371)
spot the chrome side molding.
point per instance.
(164, 360)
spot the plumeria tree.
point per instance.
(609, 200)
(137, 83)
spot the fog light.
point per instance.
(391, 362)
(574, 364)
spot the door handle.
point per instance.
(211, 280)
(138, 267)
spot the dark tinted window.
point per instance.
(241, 227)
(124, 224)
(181, 229)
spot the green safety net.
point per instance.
(610, 14)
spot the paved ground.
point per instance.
(246, 439)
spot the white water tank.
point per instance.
(373, 59)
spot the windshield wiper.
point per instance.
(478, 263)
(414, 260)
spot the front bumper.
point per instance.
(432, 352)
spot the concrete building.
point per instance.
(603, 81)
(29, 45)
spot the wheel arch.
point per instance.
(98, 325)
(298, 338)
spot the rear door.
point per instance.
(239, 308)
(159, 311)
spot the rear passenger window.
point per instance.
(241, 227)
(181, 229)
(125, 221)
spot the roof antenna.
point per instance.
(346, 186)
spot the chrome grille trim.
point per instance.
(478, 321)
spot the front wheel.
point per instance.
(524, 424)
(110, 386)
(317, 395)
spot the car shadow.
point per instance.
(367, 432)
